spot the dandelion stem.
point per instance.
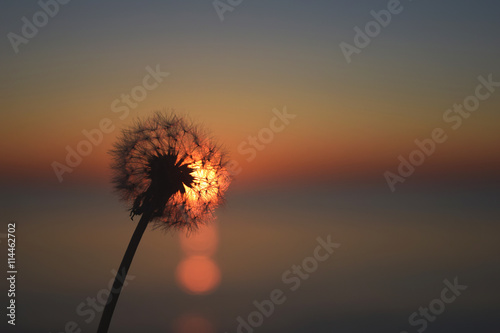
(122, 273)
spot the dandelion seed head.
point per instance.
(170, 169)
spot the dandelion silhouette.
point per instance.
(171, 174)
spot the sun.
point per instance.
(205, 185)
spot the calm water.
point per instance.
(395, 252)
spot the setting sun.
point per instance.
(205, 184)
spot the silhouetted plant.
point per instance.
(171, 174)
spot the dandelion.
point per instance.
(172, 175)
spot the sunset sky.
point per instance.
(353, 120)
(321, 173)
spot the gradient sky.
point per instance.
(353, 119)
(323, 174)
